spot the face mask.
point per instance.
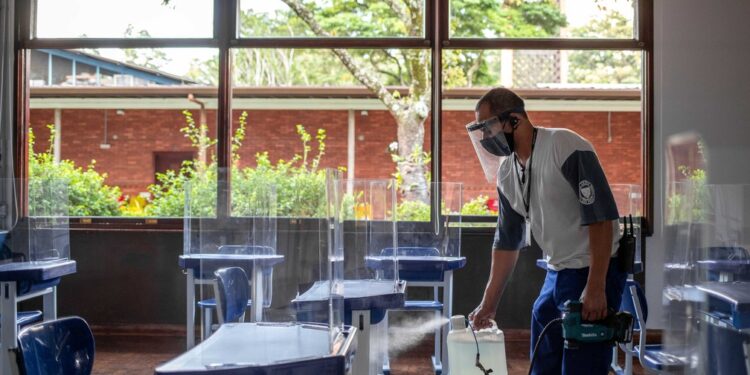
(500, 144)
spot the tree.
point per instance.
(606, 66)
(379, 69)
(150, 58)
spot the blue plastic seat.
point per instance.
(25, 318)
(62, 346)
(232, 294)
(208, 305)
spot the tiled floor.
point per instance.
(128, 354)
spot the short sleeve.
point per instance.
(580, 166)
(510, 230)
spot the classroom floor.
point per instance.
(126, 353)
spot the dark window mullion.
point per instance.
(76, 43)
(328, 43)
(543, 44)
(225, 12)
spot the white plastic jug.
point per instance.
(462, 349)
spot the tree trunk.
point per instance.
(411, 160)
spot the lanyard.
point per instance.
(522, 178)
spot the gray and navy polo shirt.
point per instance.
(569, 191)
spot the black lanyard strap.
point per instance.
(522, 178)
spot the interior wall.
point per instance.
(702, 83)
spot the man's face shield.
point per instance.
(491, 144)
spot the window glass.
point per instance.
(126, 153)
(124, 19)
(594, 93)
(299, 111)
(326, 18)
(608, 19)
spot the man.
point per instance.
(551, 188)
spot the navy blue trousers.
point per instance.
(559, 287)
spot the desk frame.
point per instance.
(8, 313)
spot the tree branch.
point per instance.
(362, 74)
(397, 6)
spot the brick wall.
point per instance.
(136, 135)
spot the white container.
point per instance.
(462, 349)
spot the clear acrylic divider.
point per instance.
(291, 271)
(707, 279)
(367, 214)
(44, 235)
(425, 232)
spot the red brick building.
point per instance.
(143, 129)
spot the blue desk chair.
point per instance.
(652, 357)
(207, 306)
(62, 346)
(232, 293)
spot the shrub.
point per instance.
(87, 194)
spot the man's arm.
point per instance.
(509, 238)
(503, 262)
(594, 296)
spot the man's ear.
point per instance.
(514, 119)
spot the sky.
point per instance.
(192, 18)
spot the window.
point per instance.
(595, 93)
(117, 19)
(350, 19)
(115, 121)
(345, 84)
(592, 19)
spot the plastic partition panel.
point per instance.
(278, 266)
(43, 236)
(438, 230)
(707, 285)
(333, 259)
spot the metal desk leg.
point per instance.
(447, 313)
(8, 328)
(629, 358)
(362, 359)
(50, 305)
(256, 294)
(190, 308)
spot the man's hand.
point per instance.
(594, 303)
(481, 316)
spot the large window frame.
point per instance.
(226, 36)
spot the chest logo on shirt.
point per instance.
(586, 192)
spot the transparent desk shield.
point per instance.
(43, 235)
(707, 280)
(253, 266)
(423, 232)
(366, 225)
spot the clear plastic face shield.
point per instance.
(490, 142)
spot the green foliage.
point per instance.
(152, 58)
(356, 18)
(477, 207)
(689, 204)
(604, 66)
(298, 185)
(51, 182)
(420, 211)
(413, 211)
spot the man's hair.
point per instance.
(500, 100)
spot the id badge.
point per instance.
(527, 240)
